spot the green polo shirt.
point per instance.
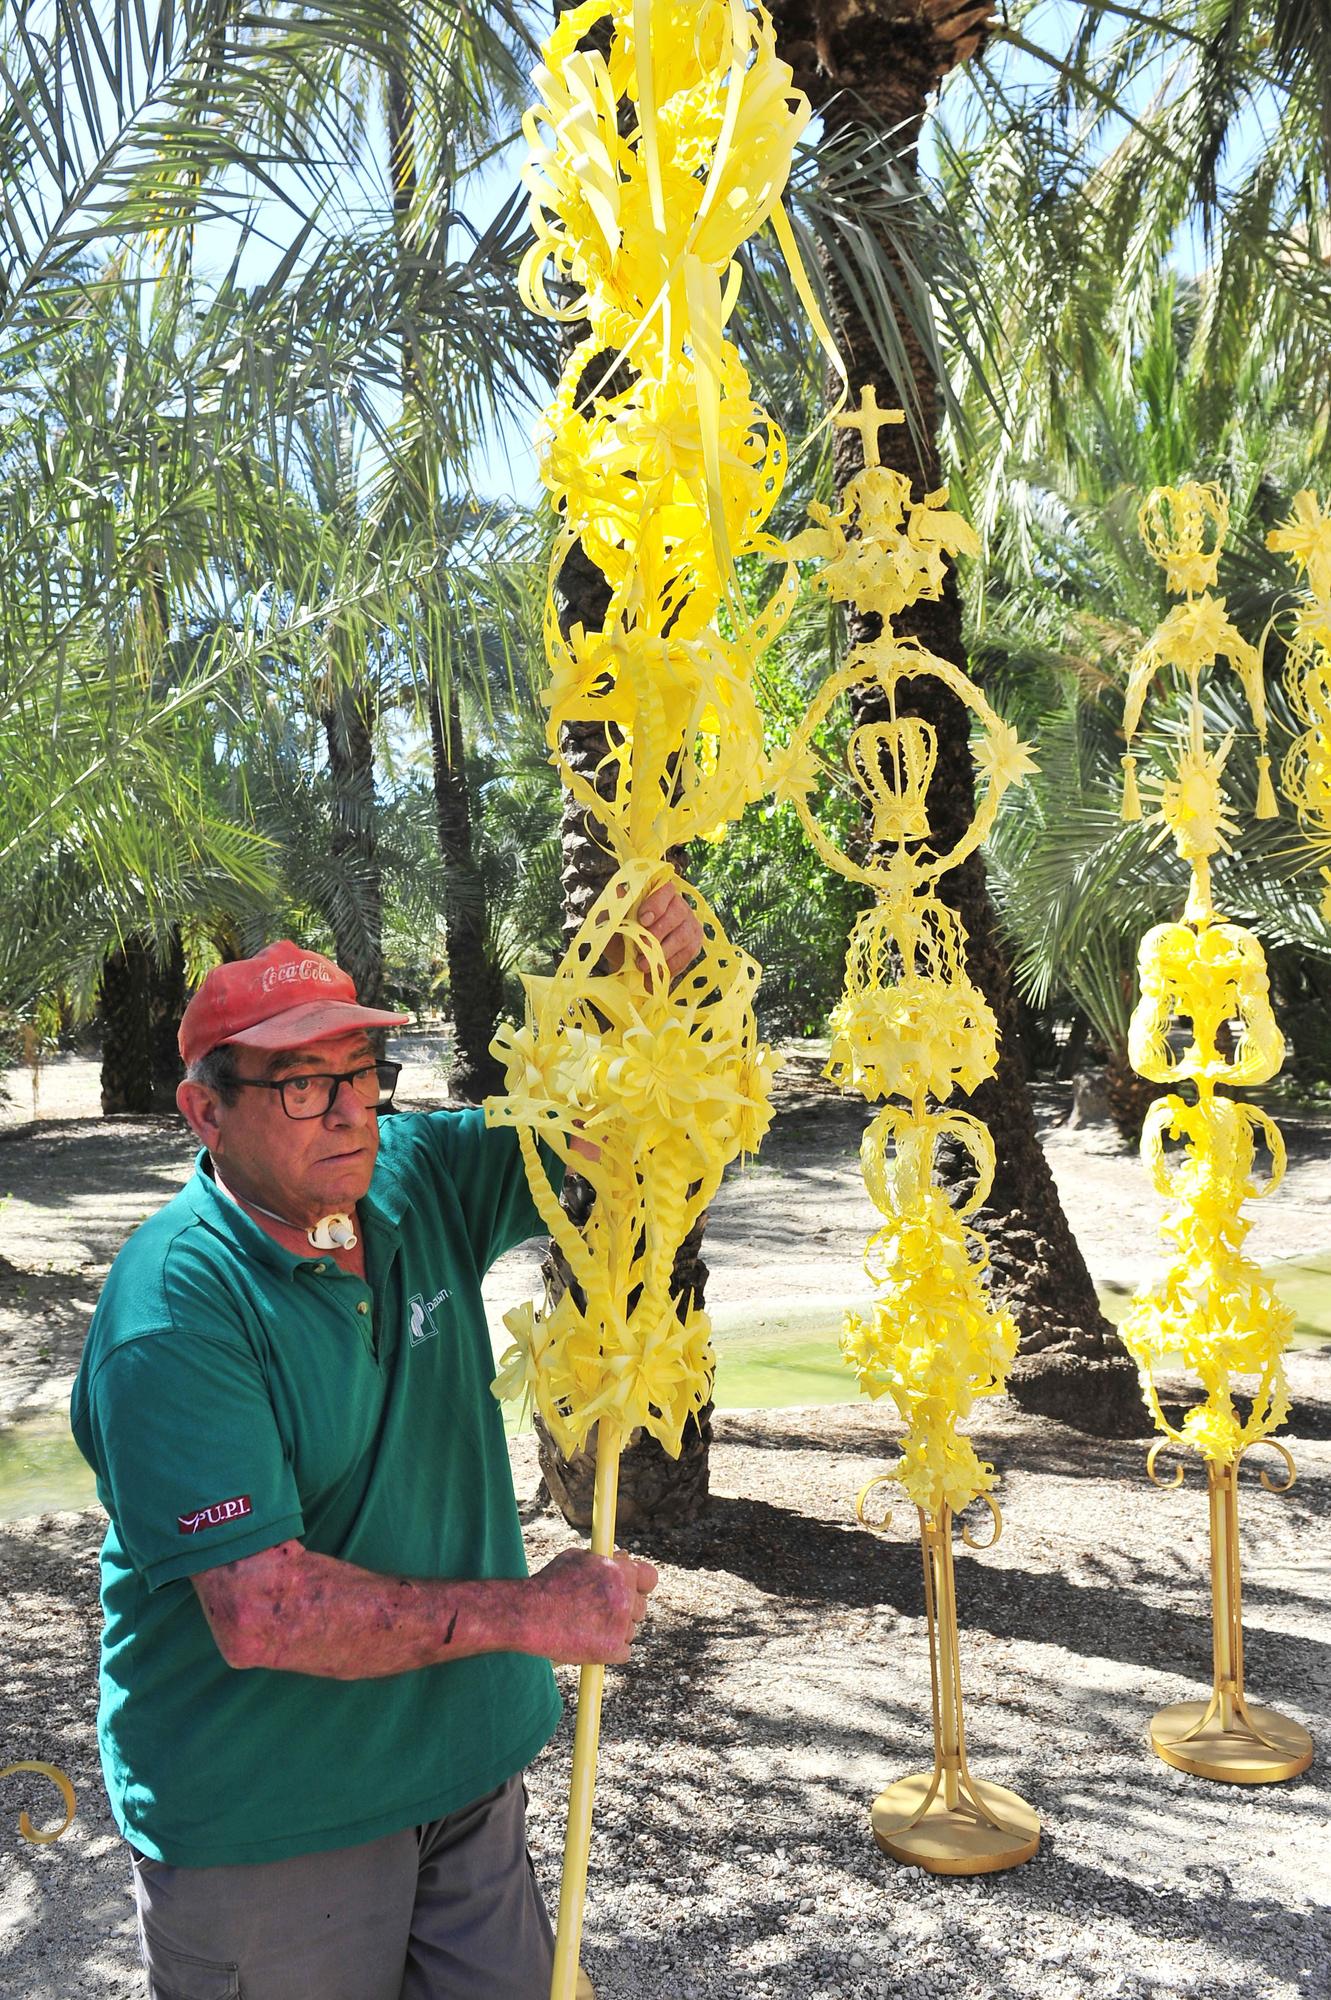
(233, 1396)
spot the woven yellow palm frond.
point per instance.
(669, 1082)
(661, 141)
(1211, 977)
(933, 1342)
(910, 1024)
(1184, 528)
(909, 1019)
(1204, 1017)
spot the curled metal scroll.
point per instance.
(881, 1527)
(1271, 1485)
(1286, 1454)
(874, 1527)
(62, 1785)
(993, 1507)
(1162, 1444)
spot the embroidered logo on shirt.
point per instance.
(420, 1320)
(213, 1517)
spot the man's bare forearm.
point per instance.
(300, 1612)
(315, 1614)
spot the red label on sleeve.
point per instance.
(213, 1517)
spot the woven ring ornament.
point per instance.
(886, 661)
(897, 1125)
(62, 1785)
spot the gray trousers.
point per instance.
(448, 1911)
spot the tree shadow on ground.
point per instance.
(63, 1299)
(992, 1930)
(784, 1553)
(95, 1179)
(1307, 1419)
(1002, 1428)
(81, 1156)
(120, 1127)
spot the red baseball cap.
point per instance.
(281, 997)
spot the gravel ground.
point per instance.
(783, 1678)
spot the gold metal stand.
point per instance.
(946, 1820)
(1228, 1738)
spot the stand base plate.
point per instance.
(957, 1842)
(1231, 1756)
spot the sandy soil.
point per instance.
(784, 1676)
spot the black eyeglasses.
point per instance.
(314, 1096)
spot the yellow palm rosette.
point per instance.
(909, 1018)
(675, 144)
(1213, 1311)
(912, 1026)
(1204, 1018)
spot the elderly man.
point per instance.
(324, 1665)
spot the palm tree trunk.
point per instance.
(127, 1083)
(474, 980)
(872, 69)
(356, 918)
(1128, 1096)
(474, 983)
(142, 999)
(167, 997)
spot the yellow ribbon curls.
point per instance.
(910, 1024)
(1204, 1017)
(1306, 772)
(663, 138)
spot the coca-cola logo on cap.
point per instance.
(301, 969)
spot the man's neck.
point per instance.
(292, 1236)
